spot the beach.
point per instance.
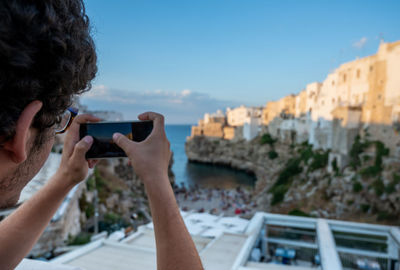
(216, 201)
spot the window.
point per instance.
(333, 100)
(333, 82)
(344, 77)
(371, 68)
(379, 96)
(358, 74)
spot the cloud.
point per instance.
(360, 43)
(184, 106)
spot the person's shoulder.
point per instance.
(28, 264)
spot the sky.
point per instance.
(184, 58)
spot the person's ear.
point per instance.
(16, 146)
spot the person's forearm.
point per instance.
(175, 247)
(20, 231)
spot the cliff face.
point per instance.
(295, 179)
(120, 194)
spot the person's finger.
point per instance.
(92, 163)
(80, 119)
(72, 136)
(81, 148)
(158, 120)
(123, 142)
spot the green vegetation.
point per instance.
(357, 148)
(378, 186)
(357, 187)
(284, 181)
(267, 139)
(305, 151)
(272, 154)
(104, 187)
(371, 171)
(112, 222)
(376, 169)
(298, 212)
(365, 207)
(335, 166)
(112, 218)
(85, 206)
(278, 193)
(350, 202)
(81, 239)
(386, 216)
(319, 161)
(391, 187)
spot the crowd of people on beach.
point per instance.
(215, 201)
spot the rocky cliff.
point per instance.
(296, 179)
(122, 201)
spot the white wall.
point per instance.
(251, 128)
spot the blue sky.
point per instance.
(185, 58)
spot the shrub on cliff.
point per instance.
(272, 154)
(284, 180)
(357, 187)
(376, 169)
(379, 187)
(392, 185)
(267, 139)
(279, 194)
(319, 161)
(80, 239)
(298, 212)
(357, 148)
(306, 152)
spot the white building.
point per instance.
(240, 115)
(110, 116)
(231, 243)
(251, 127)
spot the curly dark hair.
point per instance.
(46, 54)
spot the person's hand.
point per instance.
(150, 158)
(74, 166)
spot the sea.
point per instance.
(202, 175)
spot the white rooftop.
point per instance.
(217, 246)
(220, 249)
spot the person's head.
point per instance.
(46, 57)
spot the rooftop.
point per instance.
(267, 241)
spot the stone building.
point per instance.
(360, 95)
(283, 108)
(212, 125)
(239, 123)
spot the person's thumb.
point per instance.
(82, 146)
(122, 141)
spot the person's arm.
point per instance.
(150, 159)
(20, 231)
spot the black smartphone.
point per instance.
(103, 145)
